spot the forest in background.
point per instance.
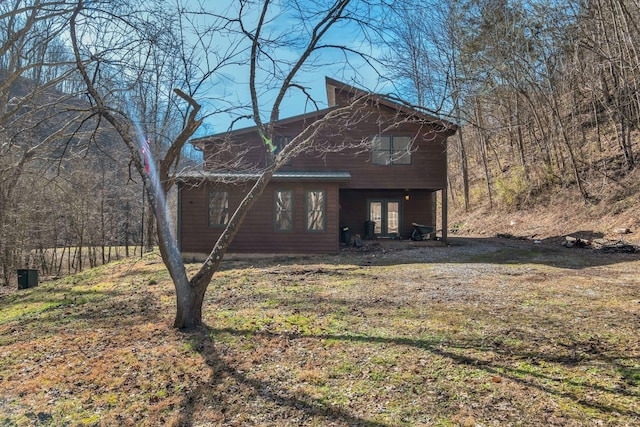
(545, 93)
(67, 199)
(70, 197)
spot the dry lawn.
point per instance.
(484, 332)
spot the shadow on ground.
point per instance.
(279, 402)
(228, 385)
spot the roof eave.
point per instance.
(282, 176)
(282, 122)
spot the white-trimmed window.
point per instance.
(284, 210)
(391, 150)
(315, 210)
(218, 208)
(280, 142)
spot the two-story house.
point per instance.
(375, 175)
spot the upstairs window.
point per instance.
(391, 150)
(315, 210)
(218, 208)
(280, 142)
(284, 211)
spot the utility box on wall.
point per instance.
(27, 278)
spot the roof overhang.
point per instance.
(310, 116)
(414, 112)
(281, 176)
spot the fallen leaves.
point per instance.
(419, 342)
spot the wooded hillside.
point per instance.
(547, 96)
(68, 198)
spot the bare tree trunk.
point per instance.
(5, 265)
(464, 167)
(483, 151)
(59, 271)
(103, 229)
(150, 232)
(43, 260)
(570, 152)
(126, 237)
(80, 253)
(597, 121)
(520, 139)
(70, 259)
(451, 190)
(624, 137)
(142, 223)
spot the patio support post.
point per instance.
(445, 225)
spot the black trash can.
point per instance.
(27, 278)
(345, 235)
(369, 230)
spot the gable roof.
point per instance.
(333, 88)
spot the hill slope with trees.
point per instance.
(547, 97)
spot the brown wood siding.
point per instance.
(426, 171)
(354, 208)
(343, 97)
(235, 154)
(257, 234)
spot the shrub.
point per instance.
(512, 189)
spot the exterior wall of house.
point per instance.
(347, 202)
(257, 233)
(426, 171)
(428, 159)
(354, 208)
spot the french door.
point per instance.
(386, 215)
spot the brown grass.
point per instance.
(484, 332)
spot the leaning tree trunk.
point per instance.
(483, 151)
(567, 144)
(464, 166)
(190, 299)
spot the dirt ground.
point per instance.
(483, 331)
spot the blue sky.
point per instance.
(232, 84)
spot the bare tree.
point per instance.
(426, 59)
(253, 39)
(31, 67)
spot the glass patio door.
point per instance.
(386, 215)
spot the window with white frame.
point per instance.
(218, 208)
(284, 210)
(315, 210)
(391, 150)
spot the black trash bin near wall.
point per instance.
(27, 278)
(345, 235)
(369, 230)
